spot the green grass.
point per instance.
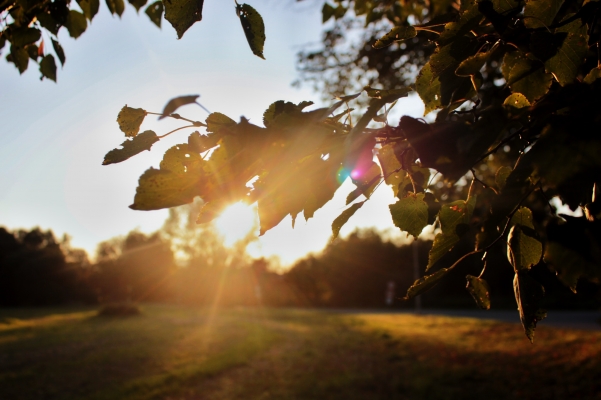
(181, 353)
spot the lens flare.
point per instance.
(236, 222)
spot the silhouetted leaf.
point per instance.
(131, 147)
(155, 12)
(398, 33)
(182, 14)
(217, 121)
(176, 103)
(130, 119)
(76, 24)
(344, 217)
(426, 283)
(479, 290)
(387, 95)
(24, 36)
(201, 143)
(528, 295)
(254, 28)
(116, 6)
(58, 49)
(138, 3)
(565, 64)
(327, 12)
(540, 13)
(354, 195)
(19, 57)
(48, 67)
(89, 7)
(410, 213)
(472, 64)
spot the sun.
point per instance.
(236, 222)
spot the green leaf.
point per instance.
(155, 12)
(515, 102)
(176, 103)
(182, 14)
(201, 143)
(523, 217)
(24, 36)
(131, 147)
(525, 76)
(130, 119)
(76, 24)
(116, 6)
(48, 67)
(391, 167)
(387, 95)
(327, 12)
(565, 64)
(593, 75)
(501, 176)
(354, 195)
(177, 182)
(396, 34)
(254, 28)
(19, 57)
(479, 290)
(472, 65)
(410, 214)
(89, 7)
(48, 22)
(524, 250)
(426, 283)
(138, 3)
(344, 217)
(217, 122)
(540, 13)
(428, 89)
(58, 49)
(528, 295)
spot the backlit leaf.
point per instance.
(130, 119)
(428, 89)
(398, 33)
(540, 13)
(501, 176)
(155, 12)
(525, 76)
(528, 295)
(479, 290)
(565, 64)
(254, 28)
(176, 103)
(524, 250)
(217, 121)
(48, 67)
(426, 283)
(387, 95)
(410, 214)
(344, 217)
(516, 102)
(131, 147)
(182, 14)
(523, 217)
(472, 64)
(76, 24)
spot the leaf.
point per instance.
(58, 49)
(523, 217)
(116, 6)
(89, 7)
(178, 102)
(515, 102)
(391, 167)
(593, 75)
(19, 57)
(501, 176)
(201, 143)
(410, 214)
(540, 13)
(525, 76)
(344, 217)
(48, 67)
(24, 36)
(472, 65)
(354, 195)
(76, 24)
(209, 212)
(479, 290)
(155, 12)
(528, 295)
(524, 250)
(131, 147)
(182, 14)
(130, 119)
(396, 34)
(138, 3)
(426, 283)
(565, 64)
(327, 12)
(217, 122)
(387, 96)
(428, 89)
(254, 28)
(454, 221)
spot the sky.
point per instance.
(53, 136)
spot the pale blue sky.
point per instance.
(53, 137)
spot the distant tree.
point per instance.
(37, 270)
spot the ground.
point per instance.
(172, 352)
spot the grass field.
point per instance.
(181, 353)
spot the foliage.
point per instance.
(515, 87)
(27, 28)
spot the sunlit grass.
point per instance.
(174, 352)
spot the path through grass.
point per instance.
(180, 353)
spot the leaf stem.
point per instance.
(175, 130)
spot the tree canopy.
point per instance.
(511, 95)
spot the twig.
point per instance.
(175, 130)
